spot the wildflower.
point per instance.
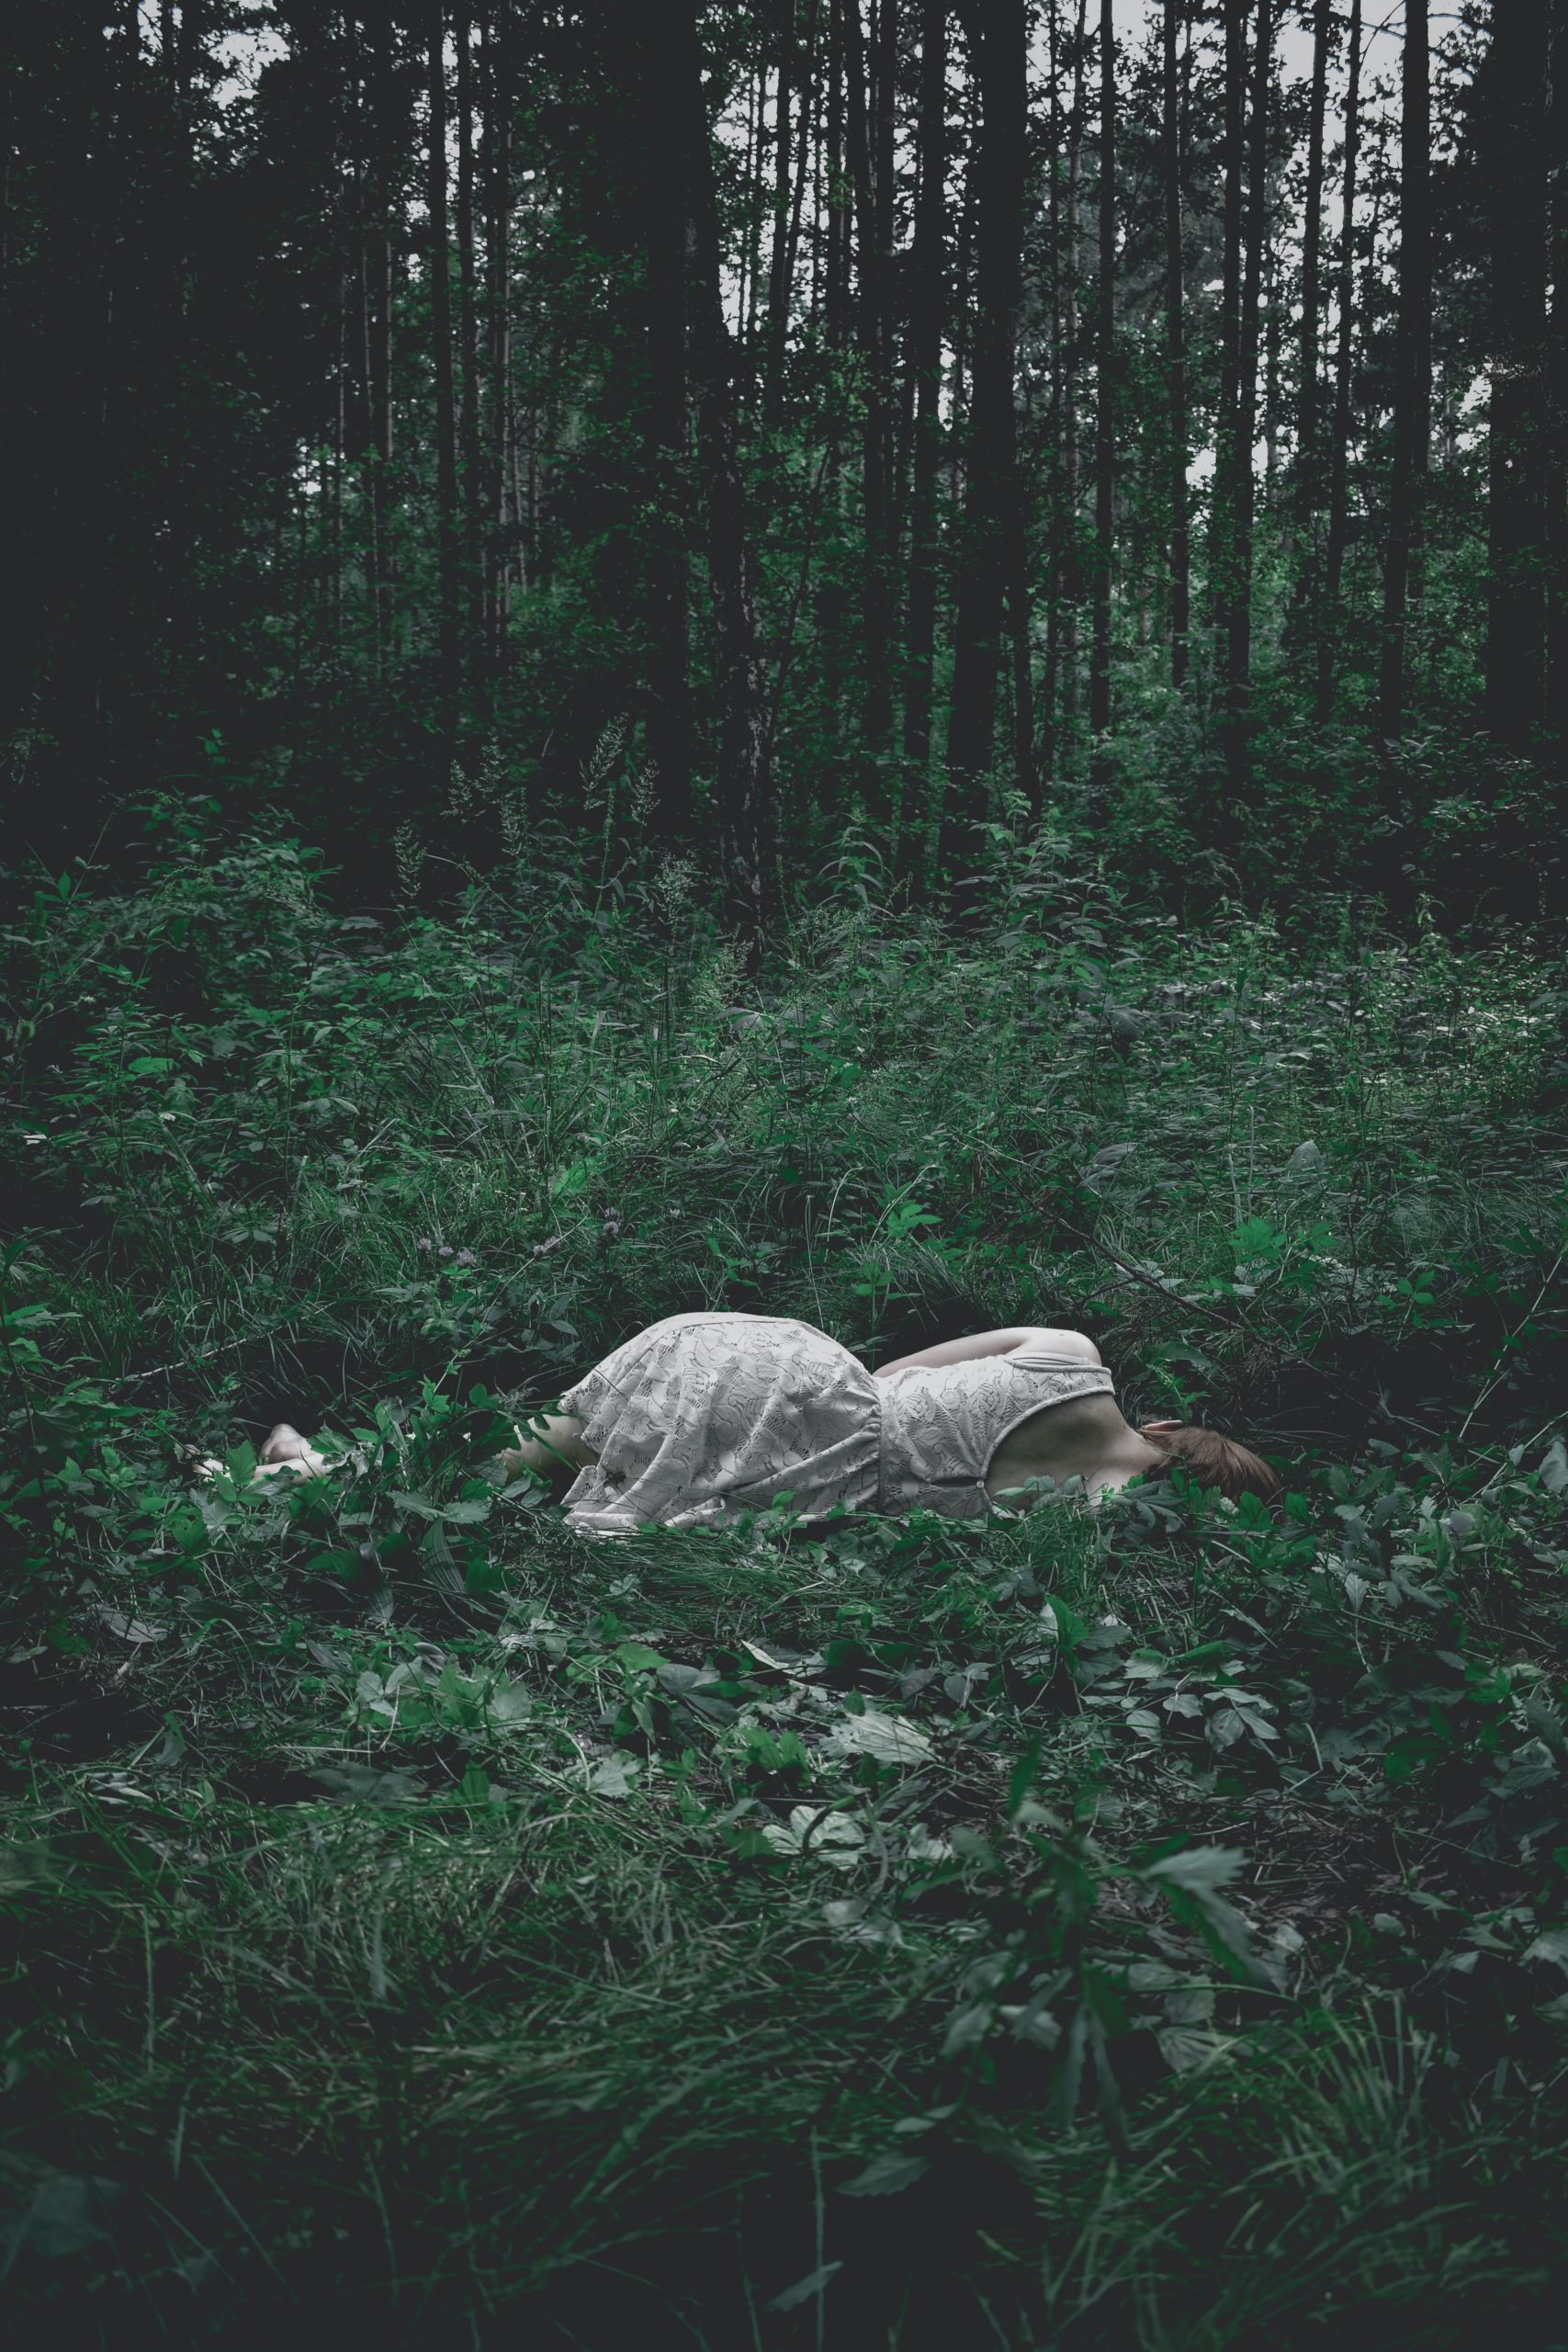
(444, 1251)
(465, 1257)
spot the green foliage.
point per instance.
(1149, 1922)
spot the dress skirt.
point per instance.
(706, 1415)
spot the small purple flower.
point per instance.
(465, 1257)
(425, 1244)
(444, 1251)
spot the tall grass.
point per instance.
(1138, 1927)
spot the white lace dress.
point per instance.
(706, 1415)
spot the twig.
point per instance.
(1231, 1323)
(1507, 1343)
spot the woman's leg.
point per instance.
(551, 1444)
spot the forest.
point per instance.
(896, 662)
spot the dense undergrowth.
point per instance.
(1145, 1926)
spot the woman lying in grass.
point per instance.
(706, 1415)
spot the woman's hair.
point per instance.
(1216, 1461)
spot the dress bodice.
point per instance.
(942, 1424)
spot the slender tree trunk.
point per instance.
(383, 142)
(1238, 649)
(1180, 560)
(448, 610)
(1071, 438)
(1309, 472)
(1047, 763)
(805, 124)
(866, 98)
(1105, 409)
(498, 289)
(779, 262)
(1413, 375)
(831, 600)
(665, 207)
(468, 336)
(991, 487)
(1519, 204)
(742, 783)
(1339, 440)
(1556, 446)
(1222, 586)
(927, 276)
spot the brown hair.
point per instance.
(1216, 1461)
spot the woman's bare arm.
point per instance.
(996, 1343)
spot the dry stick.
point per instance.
(1507, 1343)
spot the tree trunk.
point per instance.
(1339, 442)
(779, 262)
(1519, 204)
(1104, 409)
(1413, 374)
(1071, 448)
(497, 222)
(1180, 560)
(742, 782)
(831, 603)
(999, 32)
(467, 338)
(866, 97)
(1309, 484)
(1239, 635)
(383, 149)
(1557, 399)
(1047, 760)
(664, 204)
(448, 619)
(1221, 510)
(927, 277)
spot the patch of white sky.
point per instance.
(244, 50)
(1137, 25)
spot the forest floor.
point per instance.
(1146, 1926)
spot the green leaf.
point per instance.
(886, 2176)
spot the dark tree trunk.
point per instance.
(1413, 374)
(1518, 202)
(781, 259)
(1557, 395)
(1239, 635)
(498, 219)
(1309, 481)
(742, 780)
(927, 274)
(1179, 557)
(999, 32)
(384, 149)
(1046, 761)
(1221, 510)
(869, 92)
(1104, 407)
(664, 205)
(832, 601)
(1339, 440)
(1071, 438)
(467, 338)
(449, 621)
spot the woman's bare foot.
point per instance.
(286, 1450)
